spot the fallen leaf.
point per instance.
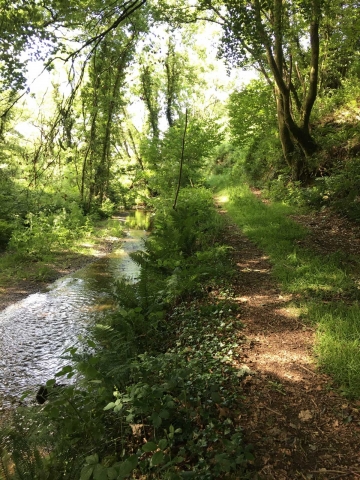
(137, 429)
(305, 415)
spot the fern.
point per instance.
(20, 460)
(5, 464)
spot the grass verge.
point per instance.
(322, 287)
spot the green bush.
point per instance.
(342, 189)
(224, 157)
(46, 232)
(339, 191)
(106, 209)
(6, 229)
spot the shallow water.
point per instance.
(35, 331)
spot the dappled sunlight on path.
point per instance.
(301, 428)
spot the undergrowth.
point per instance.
(157, 396)
(312, 279)
(40, 248)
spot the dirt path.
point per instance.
(299, 426)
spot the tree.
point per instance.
(340, 43)
(252, 113)
(37, 29)
(281, 39)
(102, 100)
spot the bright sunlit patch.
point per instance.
(100, 308)
(87, 245)
(223, 199)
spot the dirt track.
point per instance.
(300, 426)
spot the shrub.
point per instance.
(46, 231)
(6, 229)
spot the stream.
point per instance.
(35, 331)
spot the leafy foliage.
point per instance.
(172, 411)
(58, 228)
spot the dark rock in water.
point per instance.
(42, 395)
(44, 392)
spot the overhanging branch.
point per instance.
(129, 8)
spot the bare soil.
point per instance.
(299, 424)
(331, 233)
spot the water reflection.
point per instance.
(35, 331)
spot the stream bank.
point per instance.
(17, 287)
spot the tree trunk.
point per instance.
(286, 142)
(289, 131)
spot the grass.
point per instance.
(325, 289)
(338, 343)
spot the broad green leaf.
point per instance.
(64, 371)
(163, 443)
(112, 473)
(157, 458)
(92, 459)
(133, 460)
(156, 420)
(100, 472)
(127, 467)
(25, 394)
(109, 406)
(86, 472)
(179, 459)
(215, 396)
(149, 447)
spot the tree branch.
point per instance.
(314, 63)
(134, 5)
